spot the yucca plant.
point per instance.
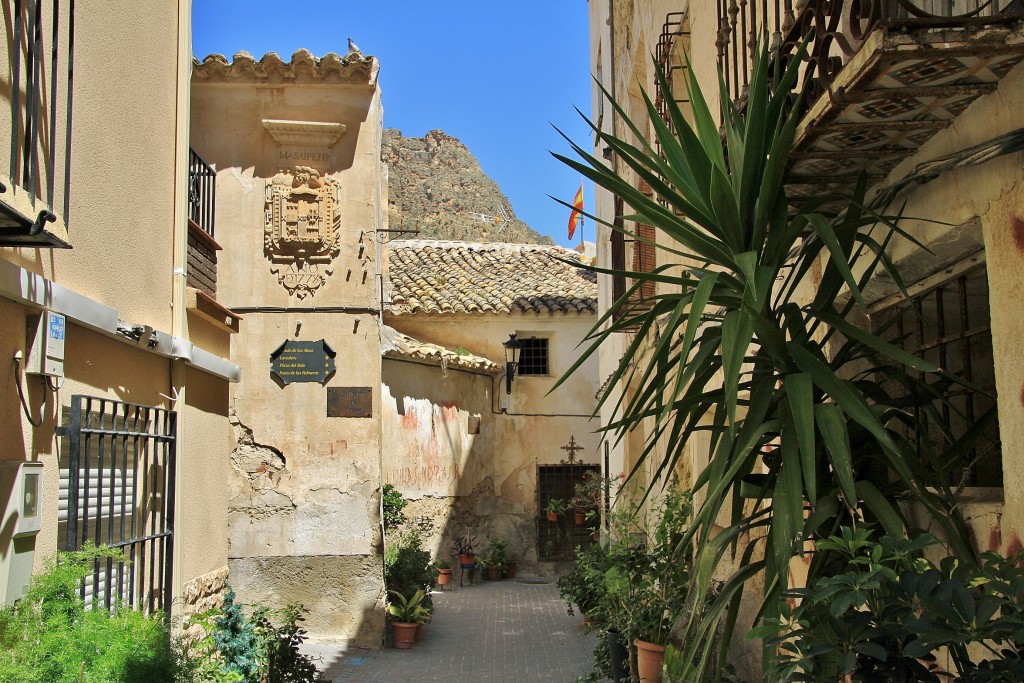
(748, 338)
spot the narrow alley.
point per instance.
(513, 631)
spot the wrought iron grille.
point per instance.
(202, 192)
(533, 356)
(117, 490)
(559, 539)
(948, 323)
(835, 30)
(670, 55)
(38, 156)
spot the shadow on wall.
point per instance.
(443, 452)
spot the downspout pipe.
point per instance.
(179, 322)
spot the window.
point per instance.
(533, 356)
(947, 322)
(559, 539)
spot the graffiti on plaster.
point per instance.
(423, 476)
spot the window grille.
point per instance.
(558, 540)
(533, 356)
(947, 322)
(117, 490)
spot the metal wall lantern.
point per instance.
(512, 347)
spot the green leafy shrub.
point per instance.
(583, 587)
(260, 648)
(407, 566)
(888, 615)
(50, 637)
(394, 503)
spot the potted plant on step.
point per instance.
(408, 614)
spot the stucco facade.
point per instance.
(301, 147)
(956, 177)
(465, 451)
(130, 333)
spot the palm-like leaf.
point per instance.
(743, 352)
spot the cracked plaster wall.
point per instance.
(303, 497)
(483, 484)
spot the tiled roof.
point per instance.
(394, 344)
(493, 277)
(353, 68)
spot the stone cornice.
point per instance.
(313, 133)
(352, 69)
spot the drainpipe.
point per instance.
(179, 321)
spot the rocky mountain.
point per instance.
(436, 185)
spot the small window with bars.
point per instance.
(533, 356)
(947, 322)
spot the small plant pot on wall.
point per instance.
(649, 661)
(552, 516)
(405, 635)
(579, 516)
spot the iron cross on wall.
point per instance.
(571, 449)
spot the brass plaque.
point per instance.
(349, 402)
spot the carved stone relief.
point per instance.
(302, 229)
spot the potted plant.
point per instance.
(555, 507)
(444, 571)
(462, 547)
(408, 613)
(496, 558)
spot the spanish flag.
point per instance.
(577, 206)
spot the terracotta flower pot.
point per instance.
(444, 577)
(511, 568)
(580, 517)
(466, 561)
(405, 635)
(552, 516)
(493, 573)
(649, 660)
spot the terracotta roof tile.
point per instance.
(395, 344)
(472, 277)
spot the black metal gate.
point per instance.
(117, 490)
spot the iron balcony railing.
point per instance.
(834, 30)
(202, 192)
(40, 67)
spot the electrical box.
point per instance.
(21, 484)
(46, 345)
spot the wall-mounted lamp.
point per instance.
(512, 347)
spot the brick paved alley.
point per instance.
(509, 631)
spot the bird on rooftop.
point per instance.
(352, 47)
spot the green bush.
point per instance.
(407, 566)
(50, 637)
(252, 649)
(887, 616)
(393, 503)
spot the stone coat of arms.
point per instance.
(302, 229)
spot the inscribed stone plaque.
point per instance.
(349, 402)
(303, 361)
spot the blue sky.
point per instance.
(496, 75)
